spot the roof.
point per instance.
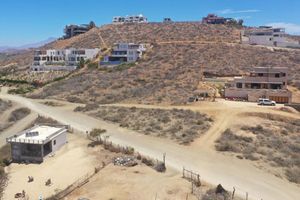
(39, 134)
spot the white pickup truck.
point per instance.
(266, 102)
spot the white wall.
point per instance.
(60, 141)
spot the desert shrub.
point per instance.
(21, 90)
(86, 108)
(4, 105)
(148, 161)
(18, 114)
(231, 142)
(293, 175)
(45, 120)
(74, 99)
(96, 133)
(216, 194)
(160, 167)
(178, 124)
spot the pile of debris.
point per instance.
(126, 161)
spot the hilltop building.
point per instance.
(130, 19)
(33, 144)
(167, 20)
(124, 53)
(269, 36)
(263, 82)
(214, 19)
(74, 30)
(60, 60)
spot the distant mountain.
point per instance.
(27, 46)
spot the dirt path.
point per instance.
(214, 167)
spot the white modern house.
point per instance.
(33, 144)
(124, 53)
(269, 36)
(130, 19)
(60, 59)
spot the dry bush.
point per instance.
(275, 141)
(4, 105)
(218, 193)
(178, 124)
(86, 108)
(45, 120)
(19, 114)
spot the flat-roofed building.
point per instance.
(269, 36)
(130, 19)
(74, 29)
(124, 53)
(33, 144)
(263, 82)
(60, 59)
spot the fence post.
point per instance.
(246, 195)
(198, 180)
(192, 187)
(164, 158)
(233, 192)
(183, 172)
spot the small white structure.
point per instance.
(33, 144)
(60, 60)
(124, 53)
(130, 19)
(269, 36)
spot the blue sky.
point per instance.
(29, 21)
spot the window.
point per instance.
(277, 75)
(260, 74)
(239, 85)
(54, 142)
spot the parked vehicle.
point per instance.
(266, 102)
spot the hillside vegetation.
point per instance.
(170, 71)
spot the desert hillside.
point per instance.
(170, 70)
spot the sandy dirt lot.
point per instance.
(71, 162)
(136, 183)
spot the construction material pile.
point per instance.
(126, 161)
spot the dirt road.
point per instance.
(214, 167)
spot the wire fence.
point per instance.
(199, 192)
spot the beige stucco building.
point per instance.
(263, 82)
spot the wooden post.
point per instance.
(246, 195)
(187, 196)
(183, 172)
(198, 180)
(192, 187)
(164, 158)
(233, 192)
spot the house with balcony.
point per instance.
(124, 53)
(74, 30)
(34, 144)
(269, 36)
(130, 19)
(263, 82)
(60, 59)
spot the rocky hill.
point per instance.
(171, 69)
